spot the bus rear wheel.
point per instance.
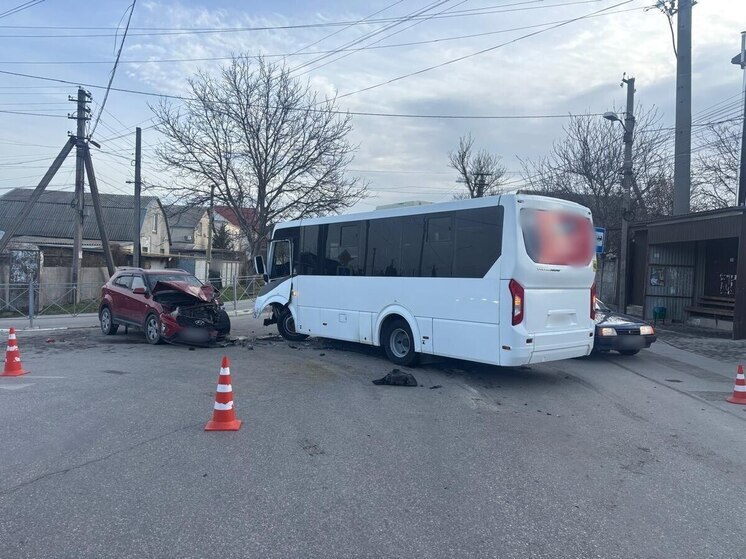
(398, 343)
(286, 327)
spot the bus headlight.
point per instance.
(646, 331)
(607, 332)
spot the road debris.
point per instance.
(397, 378)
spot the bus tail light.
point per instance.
(593, 301)
(516, 295)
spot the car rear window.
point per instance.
(557, 237)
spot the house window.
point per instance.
(155, 223)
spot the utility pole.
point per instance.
(210, 225)
(84, 166)
(138, 189)
(740, 59)
(481, 183)
(683, 138)
(627, 177)
(81, 115)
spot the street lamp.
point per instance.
(613, 117)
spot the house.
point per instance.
(188, 226)
(233, 225)
(189, 235)
(50, 227)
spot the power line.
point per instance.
(353, 113)
(114, 69)
(330, 35)
(483, 51)
(296, 53)
(166, 31)
(20, 8)
(408, 17)
(25, 113)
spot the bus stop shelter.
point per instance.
(688, 266)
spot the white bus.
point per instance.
(506, 280)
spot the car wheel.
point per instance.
(286, 327)
(153, 329)
(107, 322)
(398, 343)
(629, 351)
(223, 324)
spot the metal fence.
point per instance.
(33, 300)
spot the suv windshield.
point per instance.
(186, 278)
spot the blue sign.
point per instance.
(600, 236)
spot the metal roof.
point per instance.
(53, 214)
(184, 216)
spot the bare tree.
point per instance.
(254, 137)
(481, 172)
(715, 173)
(585, 166)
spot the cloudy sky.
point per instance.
(536, 68)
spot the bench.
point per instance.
(713, 306)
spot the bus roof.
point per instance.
(487, 201)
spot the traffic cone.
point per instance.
(13, 367)
(739, 390)
(223, 415)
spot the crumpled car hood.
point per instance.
(611, 318)
(199, 295)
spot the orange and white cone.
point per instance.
(13, 367)
(739, 390)
(223, 414)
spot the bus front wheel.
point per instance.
(398, 343)
(286, 327)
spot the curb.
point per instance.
(31, 330)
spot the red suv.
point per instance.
(168, 305)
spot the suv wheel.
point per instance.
(107, 322)
(153, 329)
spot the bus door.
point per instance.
(279, 276)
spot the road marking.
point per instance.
(16, 386)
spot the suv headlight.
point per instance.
(646, 331)
(607, 332)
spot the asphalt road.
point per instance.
(104, 455)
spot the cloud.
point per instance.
(574, 68)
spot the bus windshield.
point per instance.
(557, 237)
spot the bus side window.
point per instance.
(308, 257)
(478, 242)
(344, 251)
(384, 247)
(413, 232)
(437, 253)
